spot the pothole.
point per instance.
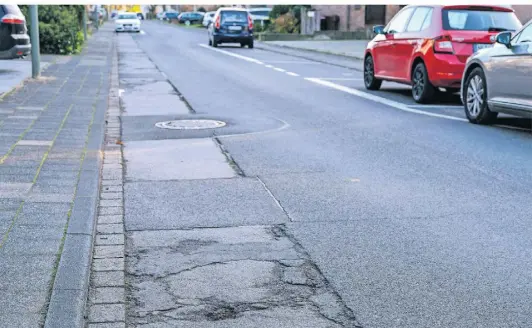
(190, 124)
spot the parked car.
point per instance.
(499, 79)
(188, 18)
(161, 15)
(127, 22)
(208, 18)
(427, 46)
(171, 15)
(260, 14)
(231, 25)
(14, 39)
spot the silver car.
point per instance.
(499, 79)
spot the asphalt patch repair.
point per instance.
(250, 276)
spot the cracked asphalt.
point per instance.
(316, 206)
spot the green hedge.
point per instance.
(60, 28)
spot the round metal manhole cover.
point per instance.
(190, 124)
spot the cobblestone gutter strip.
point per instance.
(107, 306)
(67, 305)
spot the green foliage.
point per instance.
(202, 10)
(60, 28)
(286, 18)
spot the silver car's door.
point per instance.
(509, 73)
(523, 81)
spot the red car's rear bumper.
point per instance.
(445, 70)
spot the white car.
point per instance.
(207, 19)
(127, 22)
(260, 14)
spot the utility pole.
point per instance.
(35, 49)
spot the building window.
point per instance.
(375, 15)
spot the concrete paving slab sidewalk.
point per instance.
(51, 134)
(348, 48)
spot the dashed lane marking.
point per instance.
(381, 100)
(249, 59)
(326, 82)
(337, 78)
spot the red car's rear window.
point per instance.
(479, 20)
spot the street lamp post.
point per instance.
(35, 49)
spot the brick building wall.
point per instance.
(356, 14)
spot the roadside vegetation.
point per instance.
(60, 28)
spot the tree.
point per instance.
(202, 10)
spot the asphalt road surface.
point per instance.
(416, 217)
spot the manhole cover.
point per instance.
(190, 124)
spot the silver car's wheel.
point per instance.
(476, 98)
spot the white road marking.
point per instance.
(436, 106)
(164, 75)
(142, 32)
(249, 59)
(381, 100)
(358, 93)
(337, 78)
(292, 62)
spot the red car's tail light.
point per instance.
(217, 23)
(443, 44)
(250, 23)
(12, 19)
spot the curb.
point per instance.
(314, 51)
(67, 307)
(346, 62)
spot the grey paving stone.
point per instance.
(88, 183)
(31, 271)
(35, 197)
(108, 264)
(112, 189)
(19, 299)
(83, 216)
(110, 228)
(107, 295)
(107, 313)
(108, 278)
(43, 143)
(74, 267)
(111, 251)
(117, 239)
(111, 203)
(66, 309)
(110, 219)
(111, 195)
(111, 211)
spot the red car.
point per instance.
(427, 46)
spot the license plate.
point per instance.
(235, 28)
(479, 46)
